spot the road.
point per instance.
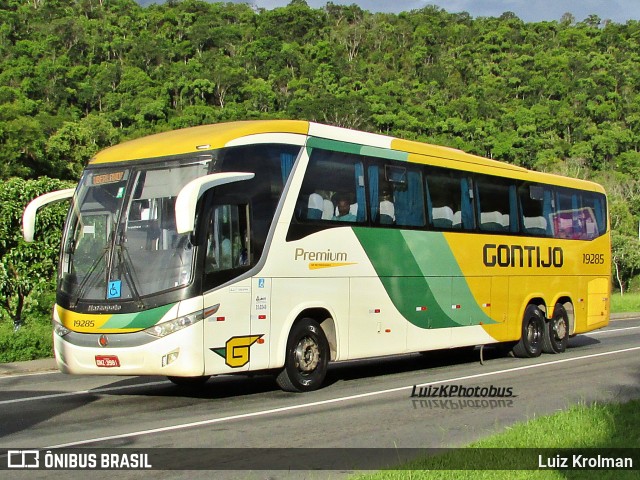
(366, 404)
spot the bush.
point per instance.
(634, 285)
(33, 339)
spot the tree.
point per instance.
(625, 259)
(27, 267)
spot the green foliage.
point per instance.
(27, 267)
(80, 76)
(34, 338)
(625, 259)
(32, 341)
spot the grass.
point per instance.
(598, 426)
(629, 302)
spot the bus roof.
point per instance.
(209, 137)
(194, 139)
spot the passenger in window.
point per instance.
(387, 208)
(343, 209)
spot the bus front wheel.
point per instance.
(556, 331)
(530, 344)
(306, 358)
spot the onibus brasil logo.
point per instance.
(236, 350)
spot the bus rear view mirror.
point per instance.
(29, 215)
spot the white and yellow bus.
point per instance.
(285, 245)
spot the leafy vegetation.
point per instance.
(80, 75)
(34, 337)
(27, 267)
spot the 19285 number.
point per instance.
(593, 258)
(84, 323)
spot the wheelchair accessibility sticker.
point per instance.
(114, 289)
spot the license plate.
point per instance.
(107, 361)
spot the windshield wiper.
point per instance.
(85, 281)
(124, 259)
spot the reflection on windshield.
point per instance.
(89, 230)
(121, 241)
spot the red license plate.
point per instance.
(107, 361)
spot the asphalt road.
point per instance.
(366, 404)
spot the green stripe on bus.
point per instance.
(416, 270)
(346, 147)
(144, 319)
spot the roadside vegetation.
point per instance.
(629, 302)
(597, 426)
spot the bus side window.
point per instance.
(380, 196)
(579, 215)
(595, 202)
(534, 219)
(496, 204)
(445, 196)
(408, 197)
(333, 188)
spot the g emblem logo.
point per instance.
(236, 350)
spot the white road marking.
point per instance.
(30, 374)
(80, 392)
(309, 405)
(598, 332)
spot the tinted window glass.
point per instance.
(496, 204)
(448, 200)
(535, 205)
(333, 189)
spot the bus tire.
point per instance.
(306, 358)
(189, 381)
(556, 331)
(530, 344)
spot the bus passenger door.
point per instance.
(228, 336)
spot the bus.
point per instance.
(281, 246)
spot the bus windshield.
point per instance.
(121, 241)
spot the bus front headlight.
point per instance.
(172, 326)
(60, 329)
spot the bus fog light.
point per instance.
(60, 329)
(171, 357)
(171, 326)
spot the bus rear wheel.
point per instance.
(556, 331)
(530, 344)
(306, 358)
